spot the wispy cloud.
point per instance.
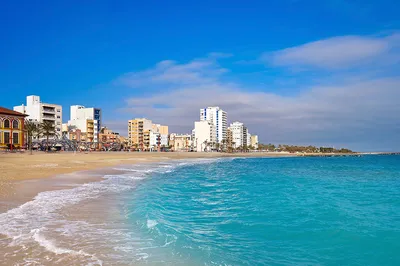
(170, 73)
(357, 113)
(338, 52)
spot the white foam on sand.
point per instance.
(27, 226)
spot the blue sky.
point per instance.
(297, 72)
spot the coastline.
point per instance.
(38, 229)
(64, 218)
(40, 169)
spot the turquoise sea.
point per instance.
(254, 211)
(273, 211)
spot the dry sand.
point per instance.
(17, 168)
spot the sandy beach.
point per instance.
(23, 178)
(16, 168)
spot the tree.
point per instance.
(223, 146)
(31, 130)
(205, 145)
(217, 146)
(48, 130)
(232, 146)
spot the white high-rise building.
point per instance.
(40, 112)
(239, 138)
(246, 136)
(218, 118)
(205, 133)
(88, 120)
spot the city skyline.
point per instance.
(295, 72)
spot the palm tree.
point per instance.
(205, 145)
(48, 130)
(232, 146)
(31, 129)
(217, 146)
(223, 142)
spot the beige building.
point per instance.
(145, 135)
(229, 139)
(205, 136)
(136, 129)
(254, 141)
(90, 130)
(157, 128)
(180, 142)
(106, 135)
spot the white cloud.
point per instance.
(356, 114)
(169, 73)
(337, 52)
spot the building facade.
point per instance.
(205, 135)
(181, 142)
(136, 129)
(145, 135)
(154, 141)
(12, 129)
(237, 129)
(229, 139)
(246, 137)
(218, 118)
(40, 112)
(108, 136)
(87, 120)
(254, 141)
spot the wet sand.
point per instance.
(68, 224)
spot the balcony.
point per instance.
(49, 117)
(48, 110)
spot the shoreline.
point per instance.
(23, 176)
(59, 215)
(42, 224)
(19, 169)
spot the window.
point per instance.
(15, 138)
(6, 137)
(7, 124)
(15, 124)
(58, 110)
(58, 116)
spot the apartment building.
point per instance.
(136, 129)
(238, 134)
(107, 135)
(229, 138)
(254, 141)
(145, 135)
(163, 130)
(246, 137)
(87, 120)
(39, 112)
(205, 133)
(218, 118)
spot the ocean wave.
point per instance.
(24, 225)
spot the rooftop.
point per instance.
(6, 111)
